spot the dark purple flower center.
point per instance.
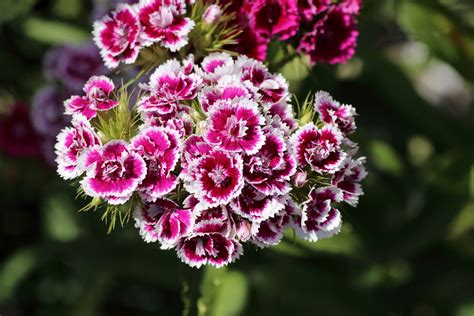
(112, 170)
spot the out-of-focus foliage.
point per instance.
(408, 249)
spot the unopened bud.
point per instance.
(300, 179)
(243, 230)
(212, 14)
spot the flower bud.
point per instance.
(300, 179)
(243, 230)
(212, 14)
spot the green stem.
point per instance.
(191, 289)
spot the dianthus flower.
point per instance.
(333, 38)
(113, 172)
(118, 36)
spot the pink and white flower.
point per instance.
(117, 36)
(214, 66)
(98, 91)
(319, 219)
(163, 221)
(270, 169)
(348, 180)
(178, 120)
(215, 178)
(319, 148)
(270, 231)
(162, 22)
(113, 172)
(209, 248)
(272, 88)
(254, 205)
(228, 87)
(332, 112)
(217, 219)
(236, 126)
(193, 148)
(71, 143)
(159, 148)
(280, 116)
(169, 85)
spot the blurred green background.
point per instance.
(408, 249)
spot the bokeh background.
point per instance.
(408, 249)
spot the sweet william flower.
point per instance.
(228, 87)
(159, 148)
(117, 36)
(333, 38)
(236, 126)
(214, 66)
(169, 85)
(275, 18)
(163, 221)
(193, 148)
(254, 205)
(71, 143)
(332, 112)
(270, 231)
(209, 248)
(348, 180)
(98, 90)
(162, 22)
(270, 169)
(113, 172)
(319, 148)
(272, 88)
(319, 218)
(215, 178)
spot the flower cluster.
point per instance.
(331, 27)
(121, 34)
(211, 156)
(324, 30)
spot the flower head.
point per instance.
(236, 126)
(159, 148)
(98, 91)
(333, 38)
(113, 172)
(169, 85)
(319, 218)
(215, 178)
(332, 112)
(117, 36)
(319, 148)
(162, 22)
(71, 143)
(348, 180)
(163, 221)
(275, 17)
(270, 169)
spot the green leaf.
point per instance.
(385, 157)
(11, 9)
(14, 270)
(224, 292)
(59, 221)
(53, 32)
